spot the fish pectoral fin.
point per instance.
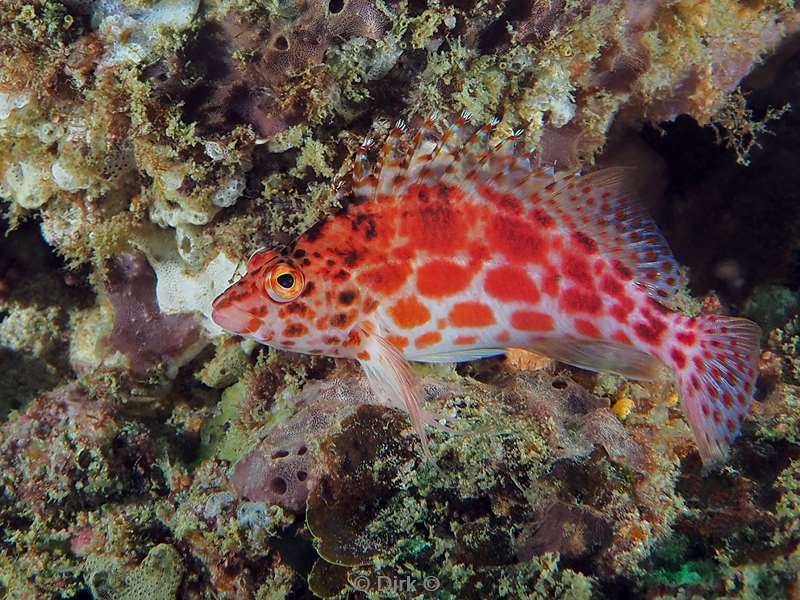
(390, 377)
(600, 355)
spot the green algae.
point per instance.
(157, 577)
(220, 435)
(226, 367)
(787, 341)
(673, 567)
(772, 306)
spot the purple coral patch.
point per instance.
(285, 467)
(283, 475)
(141, 332)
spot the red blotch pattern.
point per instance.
(577, 268)
(530, 320)
(252, 326)
(584, 242)
(409, 313)
(587, 328)
(622, 337)
(398, 341)
(623, 271)
(622, 309)
(386, 279)
(516, 240)
(428, 339)
(611, 286)
(505, 202)
(511, 284)
(551, 283)
(678, 358)
(576, 300)
(651, 329)
(441, 278)
(542, 218)
(471, 314)
(438, 224)
(294, 330)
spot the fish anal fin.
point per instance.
(390, 378)
(459, 355)
(601, 356)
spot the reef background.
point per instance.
(147, 148)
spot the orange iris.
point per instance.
(285, 283)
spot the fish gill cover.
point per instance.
(149, 148)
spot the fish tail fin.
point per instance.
(715, 359)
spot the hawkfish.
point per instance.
(454, 248)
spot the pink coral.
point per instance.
(534, 20)
(697, 87)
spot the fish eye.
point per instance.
(284, 283)
(285, 280)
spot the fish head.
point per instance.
(247, 306)
(280, 302)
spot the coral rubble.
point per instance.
(148, 147)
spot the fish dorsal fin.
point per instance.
(601, 205)
(438, 156)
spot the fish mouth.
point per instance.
(229, 316)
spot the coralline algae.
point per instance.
(148, 148)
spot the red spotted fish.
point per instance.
(454, 249)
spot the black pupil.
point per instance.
(286, 280)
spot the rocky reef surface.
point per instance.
(148, 147)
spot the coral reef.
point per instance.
(248, 80)
(148, 147)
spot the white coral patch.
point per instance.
(229, 192)
(10, 102)
(192, 243)
(551, 95)
(67, 179)
(131, 37)
(27, 183)
(62, 225)
(215, 151)
(182, 288)
(171, 208)
(171, 180)
(171, 214)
